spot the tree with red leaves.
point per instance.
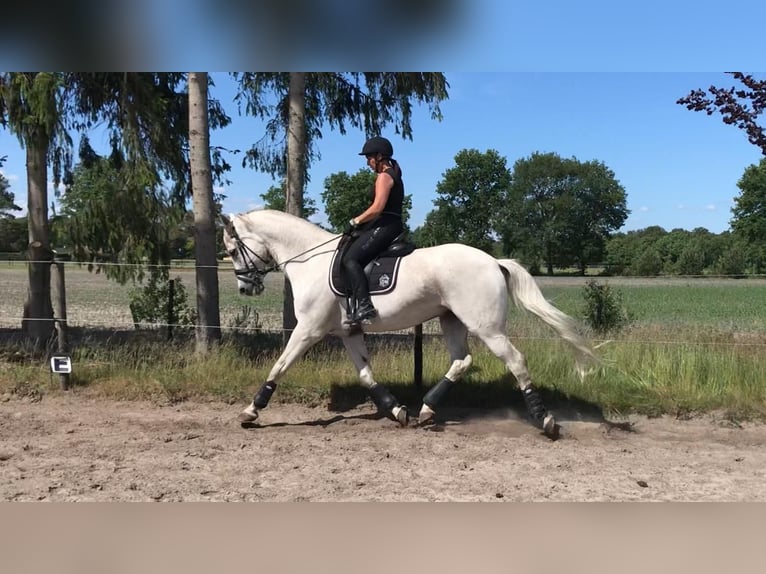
(739, 106)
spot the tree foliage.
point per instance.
(146, 116)
(438, 227)
(469, 197)
(13, 235)
(275, 198)
(369, 101)
(110, 217)
(653, 251)
(562, 211)
(739, 106)
(7, 198)
(749, 211)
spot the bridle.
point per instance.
(251, 274)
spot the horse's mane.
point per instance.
(292, 222)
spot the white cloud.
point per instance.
(680, 206)
(711, 207)
(643, 209)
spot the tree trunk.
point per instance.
(208, 329)
(296, 172)
(38, 312)
(549, 258)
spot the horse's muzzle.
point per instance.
(254, 288)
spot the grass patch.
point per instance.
(636, 376)
(691, 346)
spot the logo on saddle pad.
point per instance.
(381, 272)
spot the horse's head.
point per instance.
(249, 256)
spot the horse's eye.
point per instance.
(232, 253)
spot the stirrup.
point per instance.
(366, 315)
(363, 313)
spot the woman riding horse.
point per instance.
(375, 228)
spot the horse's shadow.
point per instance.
(472, 403)
(467, 402)
(477, 400)
(323, 422)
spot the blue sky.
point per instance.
(592, 79)
(679, 168)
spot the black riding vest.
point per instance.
(393, 208)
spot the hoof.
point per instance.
(426, 416)
(550, 428)
(249, 415)
(401, 415)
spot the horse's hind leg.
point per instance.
(515, 361)
(456, 338)
(383, 399)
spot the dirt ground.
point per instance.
(72, 448)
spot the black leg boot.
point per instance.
(365, 311)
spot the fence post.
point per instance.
(171, 310)
(59, 314)
(418, 355)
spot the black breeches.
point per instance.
(365, 248)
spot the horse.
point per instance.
(465, 288)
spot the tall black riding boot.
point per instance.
(364, 311)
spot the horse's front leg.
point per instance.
(381, 396)
(300, 341)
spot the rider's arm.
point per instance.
(383, 185)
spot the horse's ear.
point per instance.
(227, 224)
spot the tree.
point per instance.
(469, 197)
(563, 210)
(146, 117)
(437, 229)
(749, 212)
(109, 217)
(276, 198)
(31, 106)
(208, 328)
(296, 176)
(14, 235)
(597, 208)
(732, 259)
(624, 249)
(538, 184)
(6, 198)
(346, 196)
(739, 106)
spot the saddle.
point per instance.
(381, 272)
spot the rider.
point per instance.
(377, 226)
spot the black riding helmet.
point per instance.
(377, 145)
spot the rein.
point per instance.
(251, 273)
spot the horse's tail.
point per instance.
(527, 295)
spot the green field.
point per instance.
(692, 345)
